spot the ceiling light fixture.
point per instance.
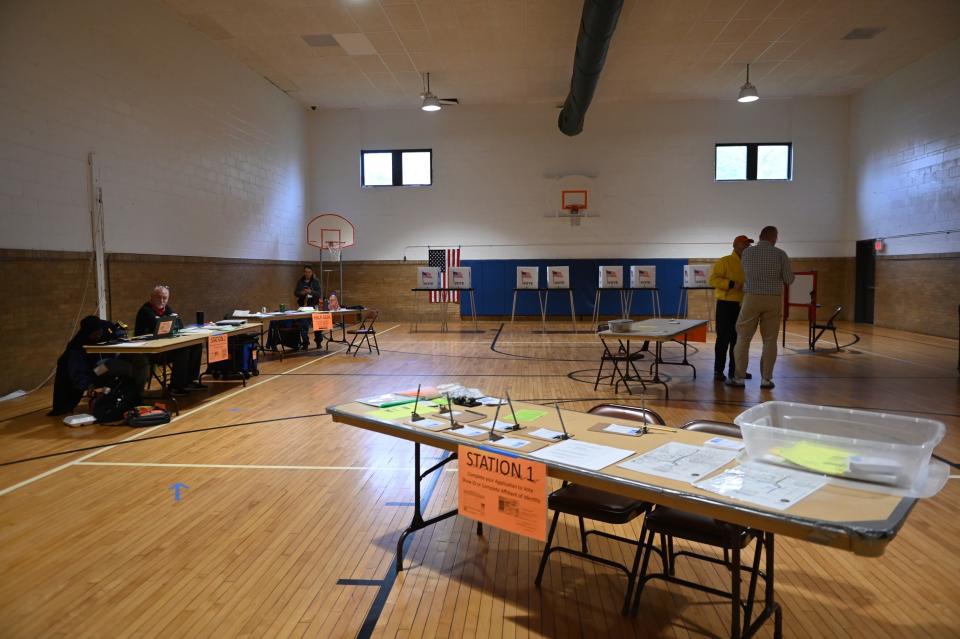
(430, 101)
(748, 92)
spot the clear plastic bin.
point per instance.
(855, 444)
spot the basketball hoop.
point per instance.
(333, 249)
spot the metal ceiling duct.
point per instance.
(597, 24)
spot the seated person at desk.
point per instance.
(78, 371)
(332, 304)
(307, 292)
(185, 361)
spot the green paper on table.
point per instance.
(529, 414)
(401, 412)
(816, 457)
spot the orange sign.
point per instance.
(698, 334)
(322, 321)
(216, 348)
(506, 492)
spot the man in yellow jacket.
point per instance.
(727, 279)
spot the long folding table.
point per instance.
(269, 329)
(158, 348)
(851, 519)
(657, 331)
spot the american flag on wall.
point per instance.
(444, 259)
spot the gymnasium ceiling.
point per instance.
(521, 51)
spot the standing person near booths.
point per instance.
(766, 269)
(307, 292)
(185, 361)
(727, 278)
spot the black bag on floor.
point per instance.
(121, 395)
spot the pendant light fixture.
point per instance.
(748, 92)
(430, 102)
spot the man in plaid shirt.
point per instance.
(766, 269)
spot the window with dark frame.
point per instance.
(754, 161)
(400, 167)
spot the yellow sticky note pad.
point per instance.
(817, 457)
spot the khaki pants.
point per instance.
(765, 311)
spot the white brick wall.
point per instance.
(198, 154)
(654, 189)
(905, 156)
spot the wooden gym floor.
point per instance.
(282, 504)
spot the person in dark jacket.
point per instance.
(185, 361)
(307, 292)
(78, 371)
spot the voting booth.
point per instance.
(696, 275)
(558, 277)
(528, 277)
(643, 276)
(460, 277)
(428, 277)
(611, 277)
(802, 292)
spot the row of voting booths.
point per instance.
(625, 279)
(558, 277)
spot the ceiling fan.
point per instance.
(429, 101)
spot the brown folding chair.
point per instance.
(598, 505)
(363, 333)
(671, 523)
(829, 326)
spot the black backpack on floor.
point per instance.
(111, 406)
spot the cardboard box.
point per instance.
(696, 275)
(611, 277)
(642, 276)
(460, 277)
(428, 277)
(558, 277)
(528, 277)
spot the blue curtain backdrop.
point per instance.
(494, 281)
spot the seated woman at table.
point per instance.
(185, 361)
(79, 372)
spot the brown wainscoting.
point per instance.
(42, 295)
(918, 293)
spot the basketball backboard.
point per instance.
(573, 200)
(329, 230)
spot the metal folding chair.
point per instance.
(363, 333)
(671, 523)
(598, 505)
(829, 326)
